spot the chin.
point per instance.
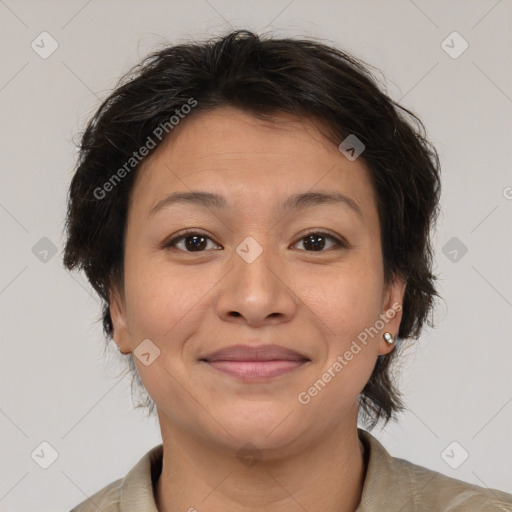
(266, 428)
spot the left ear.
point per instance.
(121, 334)
(392, 307)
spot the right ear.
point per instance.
(121, 334)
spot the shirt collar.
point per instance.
(380, 478)
(137, 490)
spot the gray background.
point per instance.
(55, 383)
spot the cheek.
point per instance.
(165, 306)
(345, 302)
(344, 307)
(151, 311)
(170, 305)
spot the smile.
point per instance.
(255, 370)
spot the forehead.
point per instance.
(236, 155)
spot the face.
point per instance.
(251, 269)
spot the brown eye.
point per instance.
(318, 240)
(194, 241)
(190, 242)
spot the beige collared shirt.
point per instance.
(391, 485)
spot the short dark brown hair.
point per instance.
(263, 76)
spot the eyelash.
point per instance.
(339, 243)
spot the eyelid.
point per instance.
(177, 237)
(340, 242)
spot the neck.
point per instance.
(327, 477)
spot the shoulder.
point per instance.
(431, 490)
(107, 499)
(133, 493)
(392, 483)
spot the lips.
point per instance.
(255, 354)
(255, 363)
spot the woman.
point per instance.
(256, 216)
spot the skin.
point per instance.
(192, 303)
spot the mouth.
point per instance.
(255, 363)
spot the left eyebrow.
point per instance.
(294, 202)
(309, 199)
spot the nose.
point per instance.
(257, 292)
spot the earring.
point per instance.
(389, 338)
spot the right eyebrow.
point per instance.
(200, 198)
